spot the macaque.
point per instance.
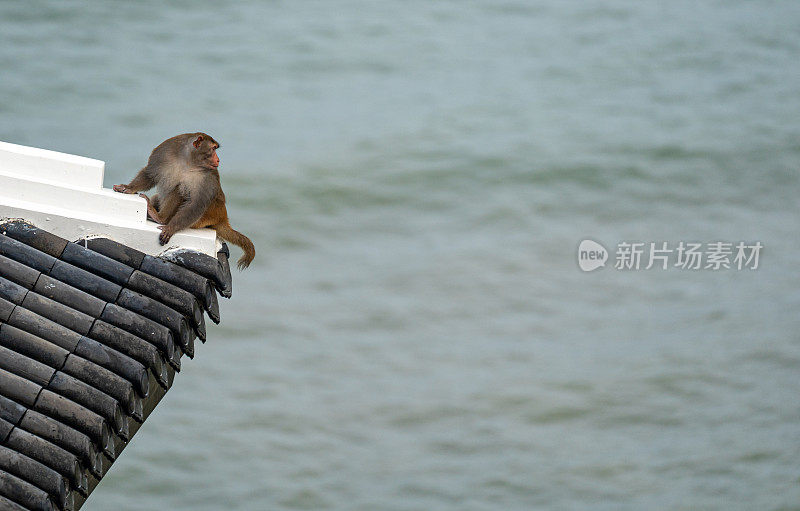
(184, 170)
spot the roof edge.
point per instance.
(63, 194)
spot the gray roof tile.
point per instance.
(91, 336)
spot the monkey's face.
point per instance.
(212, 158)
(206, 151)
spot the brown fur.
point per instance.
(184, 171)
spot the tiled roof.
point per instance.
(92, 334)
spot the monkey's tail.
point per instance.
(226, 232)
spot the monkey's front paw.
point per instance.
(121, 188)
(166, 234)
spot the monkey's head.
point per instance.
(204, 153)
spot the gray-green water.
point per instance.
(415, 333)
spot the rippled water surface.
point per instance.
(415, 333)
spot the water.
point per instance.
(415, 333)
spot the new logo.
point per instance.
(591, 255)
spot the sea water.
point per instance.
(415, 332)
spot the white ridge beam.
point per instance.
(64, 194)
(66, 169)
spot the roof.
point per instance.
(64, 193)
(92, 334)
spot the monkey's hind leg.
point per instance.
(152, 208)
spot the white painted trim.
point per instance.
(63, 194)
(67, 169)
(36, 194)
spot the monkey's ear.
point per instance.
(196, 143)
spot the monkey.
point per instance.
(185, 171)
